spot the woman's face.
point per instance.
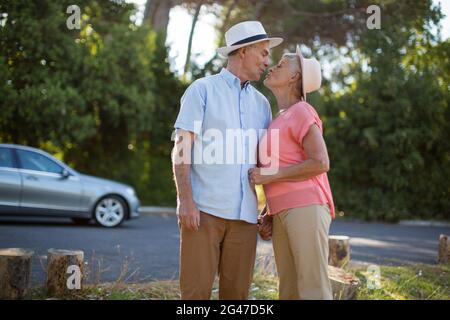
(279, 75)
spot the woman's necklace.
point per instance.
(284, 109)
(281, 111)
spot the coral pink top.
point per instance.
(292, 126)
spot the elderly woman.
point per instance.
(298, 193)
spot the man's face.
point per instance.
(256, 60)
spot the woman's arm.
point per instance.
(317, 162)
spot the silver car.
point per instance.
(32, 182)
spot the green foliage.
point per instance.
(38, 99)
(103, 96)
(413, 282)
(104, 99)
(387, 129)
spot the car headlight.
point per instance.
(130, 192)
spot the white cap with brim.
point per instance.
(244, 34)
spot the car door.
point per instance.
(45, 189)
(10, 182)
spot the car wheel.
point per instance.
(81, 221)
(110, 211)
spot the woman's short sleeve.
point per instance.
(305, 116)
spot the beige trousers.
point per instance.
(226, 247)
(300, 243)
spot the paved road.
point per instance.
(147, 248)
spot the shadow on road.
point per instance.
(53, 222)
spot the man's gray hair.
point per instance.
(253, 45)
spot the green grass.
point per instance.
(263, 288)
(154, 290)
(413, 282)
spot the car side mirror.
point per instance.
(65, 174)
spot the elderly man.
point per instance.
(216, 205)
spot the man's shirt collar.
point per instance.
(232, 80)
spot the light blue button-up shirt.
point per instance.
(216, 107)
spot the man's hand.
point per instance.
(189, 215)
(255, 176)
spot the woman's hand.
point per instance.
(255, 176)
(265, 224)
(265, 231)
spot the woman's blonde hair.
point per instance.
(295, 66)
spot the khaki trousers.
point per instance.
(226, 247)
(300, 243)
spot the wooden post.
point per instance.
(15, 272)
(64, 271)
(444, 249)
(339, 251)
(343, 284)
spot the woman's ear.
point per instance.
(295, 78)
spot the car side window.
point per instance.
(35, 161)
(6, 159)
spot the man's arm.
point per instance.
(188, 213)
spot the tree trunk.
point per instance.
(343, 284)
(444, 249)
(64, 272)
(191, 35)
(259, 9)
(339, 251)
(224, 27)
(225, 23)
(15, 272)
(156, 14)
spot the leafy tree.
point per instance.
(387, 128)
(102, 96)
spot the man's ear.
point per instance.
(242, 51)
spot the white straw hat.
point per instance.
(244, 34)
